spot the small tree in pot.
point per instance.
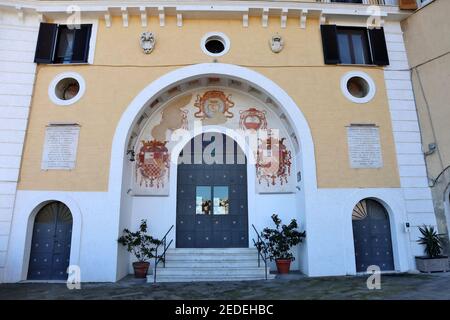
(142, 246)
(280, 240)
(433, 261)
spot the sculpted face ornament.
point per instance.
(276, 43)
(148, 42)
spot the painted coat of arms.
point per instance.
(273, 162)
(253, 119)
(213, 104)
(153, 164)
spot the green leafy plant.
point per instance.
(281, 239)
(139, 243)
(431, 240)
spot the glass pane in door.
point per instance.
(220, 202)
(203, 203)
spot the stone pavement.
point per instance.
(398, 286)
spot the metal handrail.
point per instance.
(162, 257)
(260, 244)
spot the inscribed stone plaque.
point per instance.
(364, 147)
(60, 148)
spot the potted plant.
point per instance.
(433, 261)
(279, 242)
(142, 246)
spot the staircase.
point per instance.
(211, 264)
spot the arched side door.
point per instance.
(51, 242)
(372, 236)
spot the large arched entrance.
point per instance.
(212, 194)
(151, 114)
(372, 236)
(51, 242)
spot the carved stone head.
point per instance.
(276, 43)
(147, 41)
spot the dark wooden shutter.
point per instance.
(45, 43)
(408, 4)
(378, 45)
(81, 44)
(330, 44)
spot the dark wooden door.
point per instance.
(372, 236)
(50, 245)
(212, 198)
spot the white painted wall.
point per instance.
(415, 191)
(329, 244)
(17, 71)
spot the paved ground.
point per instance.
(401, 286)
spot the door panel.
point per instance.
(51, 242)
(372, 236)
(216, 216)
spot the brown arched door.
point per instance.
(372, 236)
(50, 244)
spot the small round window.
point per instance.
(358, 87)
(66, 88)
(215, 44)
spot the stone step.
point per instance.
(211, 257)
(206, 278)
(217, 263)
(212, 251)
(210, 264)
(211, 271)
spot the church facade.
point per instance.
(205, 119)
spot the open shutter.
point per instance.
(45, 43)
(81, 44)
(330, 44)
(408, 4)
(378, 45)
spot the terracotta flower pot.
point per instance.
(283, 265)
(140, 269)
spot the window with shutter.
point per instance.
(63, 44)
(408, 4)
(351, 45)
(81, 44)
(330, 44)
(46, 43)
(379, 49)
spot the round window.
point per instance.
(215, 44)
(358, 87)
(66, 88)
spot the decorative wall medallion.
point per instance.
(253, 119)
(273, 161)
(276, 43)
(153, 163)
(212, 104)
(148, 41)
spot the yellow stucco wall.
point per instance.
(428, 28)
(121, 71)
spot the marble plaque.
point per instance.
(60, 148)
(364, 147)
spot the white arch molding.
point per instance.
(250, 167)
(117, 188)
(397, 215)
(20, 242)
